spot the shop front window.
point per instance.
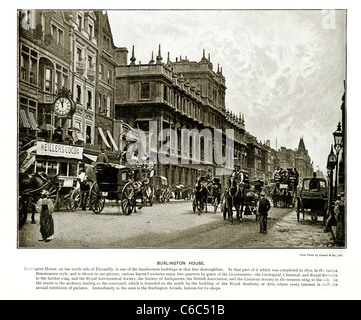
(73, 169)
(41, 166)
(63, 169)
(52, 168)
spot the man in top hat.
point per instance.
(102, 157)
(262, 209)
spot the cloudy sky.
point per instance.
(284, 69)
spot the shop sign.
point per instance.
(59, 150)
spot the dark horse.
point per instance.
(30, 187)
(234, 198)
(200, 197)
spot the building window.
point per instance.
(57, 80)
(28, 65)
(24, 66)
(109, 76)
(78, 94)
(88, 133)
(80, 22)
(57, 34)
(107, 112)
(101, 72)
(165, 93)
(90, 31)
(89, 101)
(90, 62)
(145, 90)
(100, 101)
(48, 79)
(79, 55)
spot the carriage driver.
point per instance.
(209, 176)
(238, 174)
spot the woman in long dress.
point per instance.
(46, 207)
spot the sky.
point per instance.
(284, 69)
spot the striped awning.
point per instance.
(104, 137)
(79, 136)
(32, 121)
(112, 140)
(24, 119)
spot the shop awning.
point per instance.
(90, 157)
(24, 119)
(112, 141)
(32, 121)
(79, 136)
(104, 137)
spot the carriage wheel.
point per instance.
(23, 212)
(75, 200)
(54, 193)
(127, 198)
(96, 200)
(224, 207)
(167, 196)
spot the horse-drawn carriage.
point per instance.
(252, 192)
(119, 183)
(241, 195)
(207, 193)
(285, 190)
(313, 200)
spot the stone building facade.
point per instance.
(181, 95)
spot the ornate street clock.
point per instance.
(62, 107)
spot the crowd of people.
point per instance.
(288, 175)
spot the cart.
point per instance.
(284, 192)
(115, 183)
(214, 194)
(312, 201)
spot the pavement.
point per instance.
(289, 233)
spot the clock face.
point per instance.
(62, 107)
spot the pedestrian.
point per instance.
(102, 157)
(314, 183)
(46, 207)
(262, 209)
(84, 188)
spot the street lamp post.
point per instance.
(331, 163)
(337, 135)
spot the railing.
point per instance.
(46, 42)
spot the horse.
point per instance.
(234, 198)
(200, 197)
(30, 187)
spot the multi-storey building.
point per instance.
(45, 63)
(302, 160)
(181, 95)
(45, 72)
(254, 158)
(105, 87)
(84, 49)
